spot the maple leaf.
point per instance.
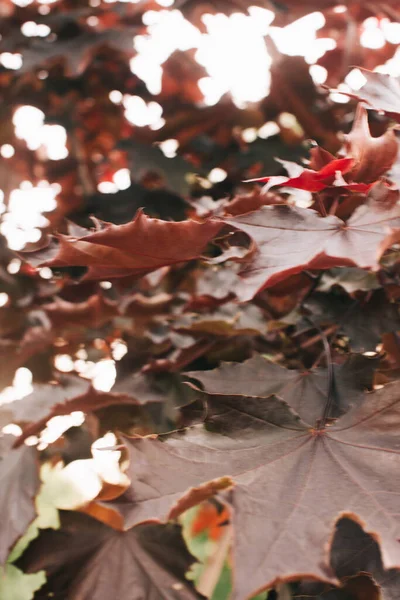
(19, 476)
(89, 560)
(136, 248)
(294, 480)
(310, 242)
(305, 391)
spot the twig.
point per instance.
(328, 354)
(212, 570)
(311, 341)
(82, 167)
(321, 205)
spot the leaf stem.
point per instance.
(328, 354)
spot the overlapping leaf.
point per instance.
(381, 92)
(314, 181)
(87, 560)
(294, 480)
(367, 159)
(353, 552)
(310, 242)
(363, 321)
(305, 391)
(71, 393)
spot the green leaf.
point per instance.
(16, 585)
(223, 588)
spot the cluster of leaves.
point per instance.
(256, 408)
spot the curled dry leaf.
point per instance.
(136, 248)
(373, 156)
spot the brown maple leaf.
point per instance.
(355, 552)
(90, 561)
(310, 242)
(373, 156)
(306, 391)
(363, 321)
(291, 482)
(136, 248)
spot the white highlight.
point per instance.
(115, 96)
(217, 175)
(7, 151)
(220, 50)
(372, 35)
(355, 79)
(139, 113)
(32, 29)
(249, 135)
(3, 299)
(64, 363)
(11, 61)
(299, 38)
(269, 129)
(169, 147)
(118, 349)
(122, 179)
(245, 75)
(21, 386)
(50, 140)
(319, 74)
(24, 217)
(107, 187)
